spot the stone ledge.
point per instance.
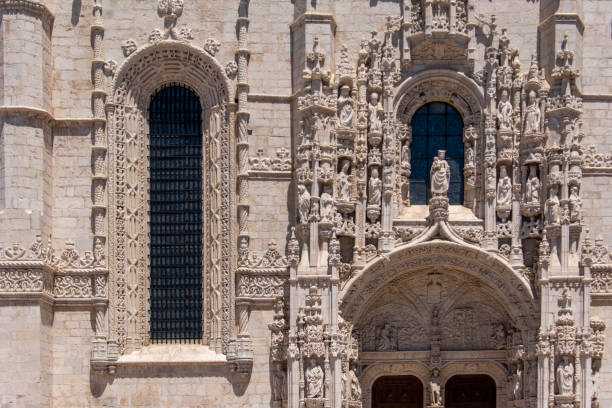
(173, 354)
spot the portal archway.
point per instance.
(398, 391)
(470, 391)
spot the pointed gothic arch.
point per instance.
(145, 71)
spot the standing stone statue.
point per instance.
(434, 388)
(327, 205)
(575, 205)
(565, 377)
(386, 338)
(355, 386)
(314, 380)
(553, 209)
(344, 182)
(532, 189)
(346, 112)
(303, 202)
(375, 117)
(504, 188)
(504, 112)
(440, 174)
(532, 117)
(374, 188)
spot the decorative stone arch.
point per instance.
(512, 290)
(462, 93)
(493, 369)
(144, 72)
(376, 371)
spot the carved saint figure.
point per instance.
(405, 159)
(504, 188)
(517, 384)
(303, 202)
(440, 174)
(469, 156)
(434, 387)
(504, 112)
(385, 340)
(280, 384)
(498, 337)
(374, 188)
(314, 380)
(355, 386)
(532, 117)
(553, 210)
(532, 189)
(575, 204)
(346, 111)
(375, 117)
(344, 182)
(327, 205)
(565, 376)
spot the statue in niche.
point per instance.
(575, 205)
(344, 181)
(504, 188)
(321, 128)
(434, 388)
(385, 339)
(314, 380)
(303, 203)
(532, 189)
(327, 204)
(517, 384)
(346, 111)
(374, 188)
(469, 156)
(279, 383)
(405, 159)
(440, 174)
(532, 117)
(504, 112)
(553, 209)
(565, 376)
(355, 386)
(375, 116)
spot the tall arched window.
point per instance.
(175, 117)
(436, 126)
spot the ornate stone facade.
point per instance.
(321, 273)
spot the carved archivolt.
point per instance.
(512, 290)
(140, 76)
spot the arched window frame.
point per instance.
(145, 71)
(466, 97)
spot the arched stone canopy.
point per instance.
(508, 287)
(439, 85)
(153, 66)
(144, 72)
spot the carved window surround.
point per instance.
(144, 71)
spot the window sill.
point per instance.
(173, 354)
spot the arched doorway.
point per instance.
(398, 391)
(470, 391)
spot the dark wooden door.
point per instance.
(401, 391)
(469, 391)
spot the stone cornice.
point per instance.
(563, 18)
(28, 6)
(316, 18)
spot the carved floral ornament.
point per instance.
(67, 274)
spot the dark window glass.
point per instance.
(176, 215)
(436, 126)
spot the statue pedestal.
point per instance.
(314, 402)
(564, 401)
